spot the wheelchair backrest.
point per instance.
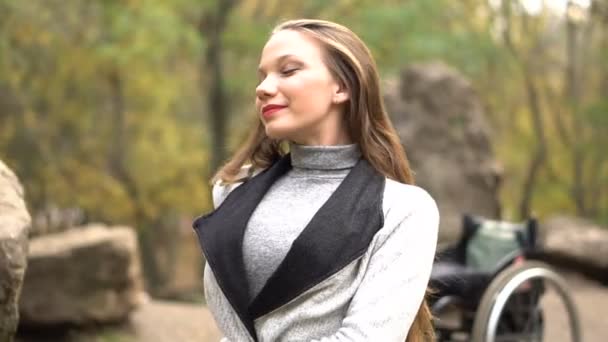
(490, 243)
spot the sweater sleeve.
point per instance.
(395, 282)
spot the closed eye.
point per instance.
(289, 72)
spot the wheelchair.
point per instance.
(490, 284)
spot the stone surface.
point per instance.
(82, 276)
(14, 226)
(577, 244)
(441, 123)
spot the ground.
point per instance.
(166, 321)
(162, 321)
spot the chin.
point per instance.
(277, 133)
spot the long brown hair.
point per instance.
(352, 65)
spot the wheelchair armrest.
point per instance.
(443, 302)
(452, 253)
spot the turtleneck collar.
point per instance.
(335, 157)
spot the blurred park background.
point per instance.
(119, 111)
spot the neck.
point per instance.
(331, 131)
(335, 157)
(324, 141)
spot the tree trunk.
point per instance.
(540, 153)
(211, 27)
(572, 88)
(118, 169)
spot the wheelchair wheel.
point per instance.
(511, 307)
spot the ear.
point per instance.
(341, 94)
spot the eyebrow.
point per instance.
(278, 60)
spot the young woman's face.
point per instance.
(297, 97)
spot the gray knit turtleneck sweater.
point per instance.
(290, 204)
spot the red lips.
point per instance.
(269, 109)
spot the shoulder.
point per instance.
(221, 190)
(406, 197)
(411, 221)
(403, 202)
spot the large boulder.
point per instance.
(82, 276)
(14, 226)
(442, 125)
(576, 243)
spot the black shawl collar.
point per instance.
(338, 233)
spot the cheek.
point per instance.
(258, 105)
(310, 94)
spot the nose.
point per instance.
(266, 89)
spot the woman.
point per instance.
(327, 242)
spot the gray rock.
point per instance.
(14, 226)
(441, 123)
(576, 243)
(82, 276)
